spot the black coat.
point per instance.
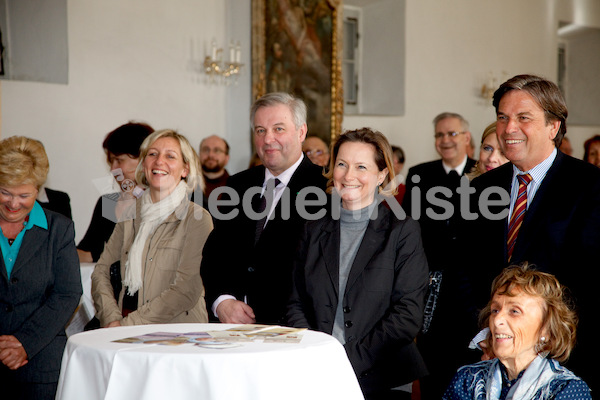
(262, 273)
(58, 202)
(383, 299)
(439, 235)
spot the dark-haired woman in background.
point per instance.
(591, 149)
(122, 148)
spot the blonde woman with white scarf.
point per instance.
(161, 249)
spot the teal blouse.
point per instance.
(10, 252)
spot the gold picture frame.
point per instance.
(296, 48)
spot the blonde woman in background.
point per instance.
(490, 155)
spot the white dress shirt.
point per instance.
(284, 179)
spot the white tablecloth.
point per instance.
(86, 311)
(94, 367)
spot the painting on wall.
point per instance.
(296, 48)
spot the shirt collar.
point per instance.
(286, 175)
(539, 171)
(37, 217)
(459, 168)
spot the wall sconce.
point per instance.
(220, 71)
(490, 86)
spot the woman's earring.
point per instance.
(539, 347)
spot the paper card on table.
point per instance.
(258, 331)
(229, 336)
(194, 337)
(291, 338)
(275, 331)
(165, 338)
(249, 328)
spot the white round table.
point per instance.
(94, 367)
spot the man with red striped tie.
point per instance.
(553, 217)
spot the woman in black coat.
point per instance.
(362, 275)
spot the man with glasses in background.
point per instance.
(214, 156)
(432, 185)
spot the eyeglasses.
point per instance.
(208, 150)
(316, 153)
(441, 135)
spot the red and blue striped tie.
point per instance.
(516, 220)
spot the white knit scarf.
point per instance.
(152, 214)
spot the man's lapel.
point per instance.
(330, 251)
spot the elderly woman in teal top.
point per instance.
(532, 328)
(40, 283)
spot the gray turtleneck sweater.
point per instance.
(353, 225)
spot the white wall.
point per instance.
(451, 47)
(130, 59)
(127, 60)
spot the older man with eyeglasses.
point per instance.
(432, 199)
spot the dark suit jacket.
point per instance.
(439, 235)
(58, 202)
(40, 297)
(560, 234)
(262, 273)
(441, 241)
(383, 301)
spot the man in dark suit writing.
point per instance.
(559, 229)
(247, 261)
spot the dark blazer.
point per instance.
(58, 202)
(383, 299)
(439, 236)
(40, 298)
(262, 273)
(560, 234)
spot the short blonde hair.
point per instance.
(23, 161)
(560, 319)
(190, 158)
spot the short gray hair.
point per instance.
(463, 122)
(296, 106)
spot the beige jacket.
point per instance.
(172, 291)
